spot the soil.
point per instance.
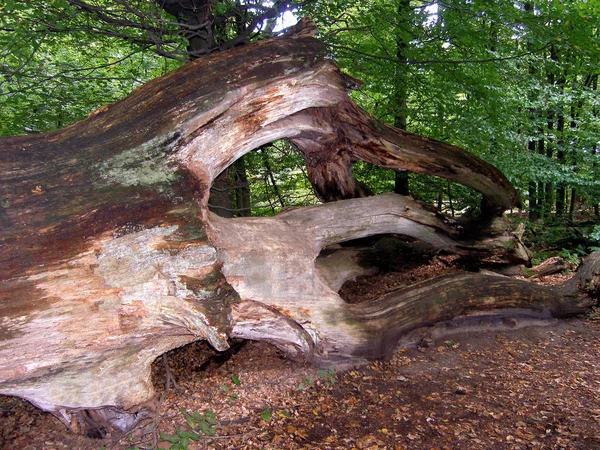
(505, 382)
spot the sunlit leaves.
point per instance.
(482, 75)
(278, 179)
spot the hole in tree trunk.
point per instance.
(263, 182)
(449, 198)
(382, 264)
(186, 362)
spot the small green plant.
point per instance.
(199, 423)
(327, 377)
(180, 440)
(595, 233)
(266, 415)
(540, 257)
(232, 396)
(451, 344)
(594, 236)
(594, 314)
(305, 383)
(573, 256)
(324, 377)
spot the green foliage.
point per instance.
(326, 378)
(573, 256)
(491, 77)
(232, 396)
(595, 233)
(180, 440)
(200, 424)
(278, 179)
(266, 415)
(52, 75)
(305, 383)
(553, 235)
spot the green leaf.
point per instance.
(197, 416)
(266, 415)
(211, 417)
(189, 418)
(173, 439)
(236, 380)
(189, 435)
(206, 429)
(220, 9)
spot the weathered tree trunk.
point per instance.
(111, 257)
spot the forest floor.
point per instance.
(503, 383)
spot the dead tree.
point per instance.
(110, 256)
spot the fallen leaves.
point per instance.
(533, 388)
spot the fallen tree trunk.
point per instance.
(111, 257)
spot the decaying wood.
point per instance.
(300, 289)
(111, 257)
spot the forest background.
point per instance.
(515, 83)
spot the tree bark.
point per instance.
(111, 256)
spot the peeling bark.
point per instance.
(111, 257)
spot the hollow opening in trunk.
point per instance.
(363, 270)
(263, 182)
(452, 199)
(191, 360)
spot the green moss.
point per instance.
(145, 165)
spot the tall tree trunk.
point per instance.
(242, 189)
(536, 188)
(401, 179)
(197, 17)
(560, 83)
(548, 151)
(546, 190)
(534, 194)
(271, 178)
(573, 203)
(560, 156)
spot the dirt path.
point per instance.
(528, 388)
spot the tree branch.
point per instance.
(437, 61)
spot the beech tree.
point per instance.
(111, 256)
